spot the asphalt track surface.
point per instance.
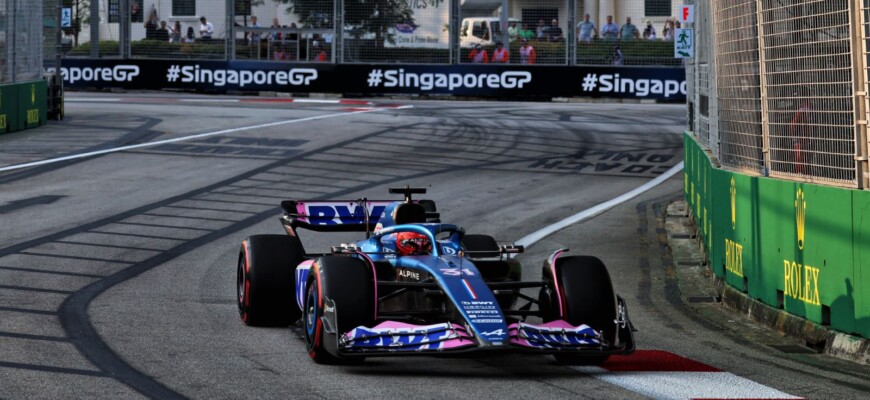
(117, 270)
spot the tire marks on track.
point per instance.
(112, 250)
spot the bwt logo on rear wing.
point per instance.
(334, 215)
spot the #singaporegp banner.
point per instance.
(469, 80)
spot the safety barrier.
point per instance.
(795, 246)
(23, 105)
(470, 80)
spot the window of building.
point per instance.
(183, 8)
(657, 8)
(114, 11)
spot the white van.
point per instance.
(482, 30)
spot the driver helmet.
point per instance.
(413, 243)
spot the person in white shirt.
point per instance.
(206, 29)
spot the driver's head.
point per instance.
(412, 243)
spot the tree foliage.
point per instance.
(81, 11)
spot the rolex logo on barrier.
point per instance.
(800, 206)
(801, 281)
(733, 204)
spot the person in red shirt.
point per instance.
(800, 131)
(478, 55)
(500, 54)
(321, 54)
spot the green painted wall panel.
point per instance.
(860, 297)
(803, 245)
(32, 104)
(827, 251)
(8, 108)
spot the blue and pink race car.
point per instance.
(416, 286)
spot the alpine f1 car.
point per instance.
(416, 286)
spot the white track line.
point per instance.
(180, 139)
(91, 100)
(686, 385)
(536, 236)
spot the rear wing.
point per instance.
(361, 215)
(333, 215)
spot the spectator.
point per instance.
(500, 54)
(585, 29)
(616, 58)
(276, 36)
(554, 34)
(293, 36)
(649, 33)
(800, 131)
(478, 55)
(554, 31)
(279, 53)
(162, 33)
(610, 30)
(151, 26)
(628, 30)
(206, 29)
(668, 30)
(189, 38)
(527, 53)
(541, 30)
(175, 33)
(321, 54)
(513, 31)
(526, 33)
(254, 37)
(135, 11)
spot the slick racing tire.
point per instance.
(265, 280)
(590, 300)
(349, 283)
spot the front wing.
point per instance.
(398, 338)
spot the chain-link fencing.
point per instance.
(543, 32)
(790, 87)
(21, 43)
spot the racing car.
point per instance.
(416, 286)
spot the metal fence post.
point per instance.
(58, 48)
(95, 29)
(765, 127)
(338, 36)
(124, 28)
(860, 81)
(230, 42)
(455, 51)
(571, 37)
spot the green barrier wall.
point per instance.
(23, 105)
(8, 108)
(800, 247)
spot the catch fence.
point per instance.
(784, 92)
(21, 40)
(542, 32)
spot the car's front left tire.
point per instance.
(349, 284)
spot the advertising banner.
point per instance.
(469, 80)
(428, 28)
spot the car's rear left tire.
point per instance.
(265, 280)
